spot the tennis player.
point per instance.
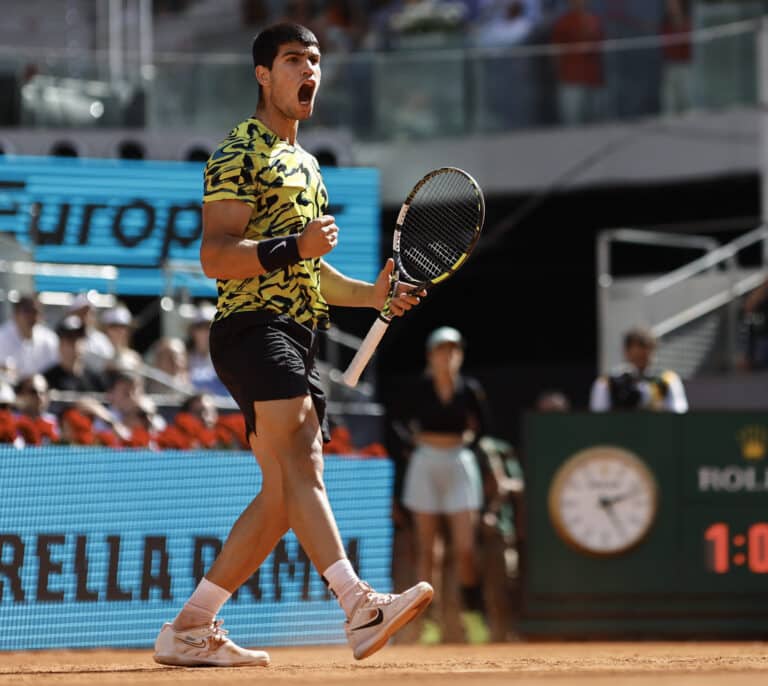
(265, 233)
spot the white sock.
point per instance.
(203, 605)
(344, 583)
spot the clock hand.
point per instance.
(607, 506)
(606, 502)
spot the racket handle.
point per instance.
(365, 352)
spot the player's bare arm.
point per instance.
(343, 291)
(226, 254)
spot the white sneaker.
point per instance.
(379, 615)
(205, 646)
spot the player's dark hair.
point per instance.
(267, 43)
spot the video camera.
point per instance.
(632, 392)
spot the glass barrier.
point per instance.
(411, 93)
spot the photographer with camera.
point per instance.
(635, 385)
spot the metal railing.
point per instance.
(725, 255)
(720, 258)
(643, 237)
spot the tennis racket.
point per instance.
(437, 228)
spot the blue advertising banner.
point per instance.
(137, 215)
(99, 548)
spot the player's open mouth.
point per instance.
(306, 92)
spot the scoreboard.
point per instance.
(645, 525)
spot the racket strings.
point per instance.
(441, 225)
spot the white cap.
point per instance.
(445, 334)
(7, 394)
(79, 302)
(120, 316)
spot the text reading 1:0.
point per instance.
(724, 550)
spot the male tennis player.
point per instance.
(265, 232)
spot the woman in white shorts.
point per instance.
(446, 415)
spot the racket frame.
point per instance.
(365, 352)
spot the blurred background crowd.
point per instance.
(81, 381)
(503, 64)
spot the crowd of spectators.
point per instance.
(581, 74)
(580, 82)
(99, 381)
(344, 25)
(506, 80)
(80, 381)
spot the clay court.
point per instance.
(549, 664)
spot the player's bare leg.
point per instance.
(195, 638)
(289, 431)
(255, 533)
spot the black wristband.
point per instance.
(278, 253)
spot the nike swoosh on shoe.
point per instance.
(377, 619)
(194, 642)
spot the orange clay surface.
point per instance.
(509, 664)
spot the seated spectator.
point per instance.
(27, 345)
(7, 396)
(194, 426)
(198, 424)
(8, 433)
(97, 348)
(636, 385)
(125, 391)
(169, 356)
(202, 375)
(34, 422)
(71, 373)
(202, 408)
(118, 325)
(144, 423)
(75, 428)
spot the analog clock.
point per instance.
(603, 500)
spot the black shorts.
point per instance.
(265, 356)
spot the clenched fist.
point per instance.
(319, 237)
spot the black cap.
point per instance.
(71, 327)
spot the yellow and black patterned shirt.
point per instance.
(283, 185)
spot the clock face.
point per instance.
(603, 500)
